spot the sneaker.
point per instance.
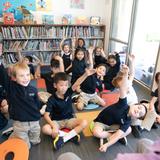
(136, 131)
(76, 139)
(155, 126)
(123, 141)
(7, 132)
(58, 142)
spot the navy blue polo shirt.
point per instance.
(155, 94)
(49, 80)
(59, 108)
(116, 114)
(90, 84)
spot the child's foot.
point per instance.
(76, 139)
(58, 142)
(123, 141)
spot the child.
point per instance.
(66, 55)
(155, 94)
(56, 65)
(78, 65)
(3, 107)
(24, 105)
(119, 115)
(99, 56)
(59, 112)
(113, 63)
(81, 44)
(88, 88)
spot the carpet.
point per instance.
(89, 116)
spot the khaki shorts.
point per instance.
(105, 127)
(85, 98)
(66, 123)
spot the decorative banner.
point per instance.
(44, 5)
(18, 7)
(79, 4)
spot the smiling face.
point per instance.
(61, 86)
(80, 55)
(101, 70)
(137, 111)
(66, 48)
(22, 76)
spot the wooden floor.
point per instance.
(88, 148)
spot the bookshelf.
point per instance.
(43, 40)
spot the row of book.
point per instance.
(51, 32)
(42, 45)
(11, 58)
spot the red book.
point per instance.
(8, 18)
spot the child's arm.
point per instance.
(124, 83)
(112, 139)
(90, 50)
(60, 62)
(102, 53)
(131, 67)
(87, 73)
(38, 71)
(61, 44)
(48, 119)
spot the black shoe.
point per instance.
(155, 126)
(76, 139)
(7, 132)
(123, 141)
(136, 131)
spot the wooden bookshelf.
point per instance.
(43, 40)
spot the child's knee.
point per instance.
(96, 132)
(84, 123)
(80, 106)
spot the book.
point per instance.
(67, 19)
(95, 20)
(47, 19)
(8, 18)
(81, 20)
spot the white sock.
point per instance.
(62, 133)
(69, 135)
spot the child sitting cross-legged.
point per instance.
(59, 112)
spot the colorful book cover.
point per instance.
(95, 20)
(67, 19)
(81, 20)
(47, 19)
(8, 18)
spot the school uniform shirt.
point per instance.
(116, 114)
(155, 94)
(78, 69)
(67, 59)
(31, 67)
(59, 108)
(49, 81)
(90, 84)
(24, 104)
(2, 93)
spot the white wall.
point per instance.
(91, 8)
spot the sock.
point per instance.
(62, 133)
(69, 135)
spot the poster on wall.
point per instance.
(19, 8)
(44, 5)
(79, 4)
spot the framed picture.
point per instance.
(95, 20)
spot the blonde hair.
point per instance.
(17, 66)
(117, 79)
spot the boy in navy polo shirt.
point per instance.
(24, 105)
(119, 115)
(59, 112)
